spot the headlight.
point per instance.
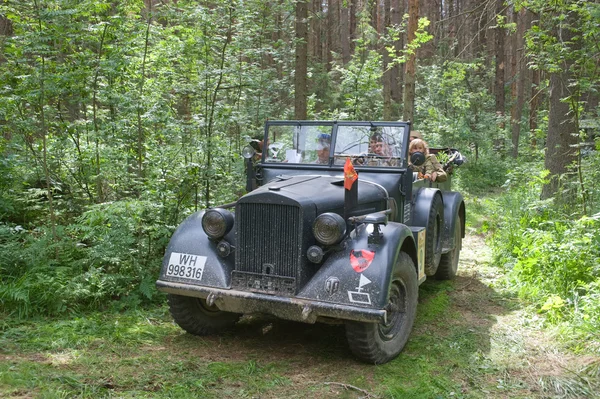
(217, 222)
(329, 228)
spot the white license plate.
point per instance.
(186, 266)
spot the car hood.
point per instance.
(325, 193)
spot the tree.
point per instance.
(411, 64)
(301, 69)
(561, 44)
(500, 63)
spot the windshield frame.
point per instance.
(305, 141)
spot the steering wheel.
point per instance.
(363, 159)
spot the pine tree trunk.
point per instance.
(499, 86)
(563, 126)
(301, 69)
(345, 31)
(519, 80)
(387, 72)
(534, 104)
(411, 65)
(397, 72)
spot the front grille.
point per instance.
(269, 239)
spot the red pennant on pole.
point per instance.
(350, 175)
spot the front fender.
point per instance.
(454, 206)
(190, 244)
(422, 206)
(339, 282)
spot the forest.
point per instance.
(119, 119)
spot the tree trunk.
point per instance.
(499, 86)
(518, 80)
(397, 73)
(333, 30)
(301, 69)
(387, 72)
(534, 104)
(345, 31)
(6, 30)
(563, 125)
(410, 71)
(353, 24)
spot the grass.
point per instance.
(470, 340)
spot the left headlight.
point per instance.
(217, 222)
(329, 228)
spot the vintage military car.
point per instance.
(335, 228)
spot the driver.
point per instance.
(377, 145)
(380, 150)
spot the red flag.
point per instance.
(350, 175)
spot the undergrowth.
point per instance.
(550, 251)
(109, 257)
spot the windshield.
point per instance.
(366, 144)
(370, 145)
(307, 144)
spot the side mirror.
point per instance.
(417, 158)
(248, 152)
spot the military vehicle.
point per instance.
(335, 227)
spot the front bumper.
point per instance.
(296, 309)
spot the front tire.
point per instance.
(196, 317)
(380, 343)
(449, 261)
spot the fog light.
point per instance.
(315, 254)
(224, 249)
(329, 228)
(217, 222)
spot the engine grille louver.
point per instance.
(269, 245)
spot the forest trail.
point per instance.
(529, 361)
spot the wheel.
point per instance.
(449, 261)
(196, 317)
(433, 236)
(380, 343)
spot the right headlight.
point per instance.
(217, 222)
(329, 228)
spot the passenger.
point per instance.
(415, 134)
(431, 168)
(323, 145)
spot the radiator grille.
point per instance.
(269, 238)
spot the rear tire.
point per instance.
(449, 261)
(380, 343)
(196, 317)
(433, 236)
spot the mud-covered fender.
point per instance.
(347, 277)
(454, 206)
(422, 205)
(190, 246)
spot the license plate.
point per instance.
(186, 266)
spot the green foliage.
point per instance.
(455, 109)
(113, 253)
(551, 255)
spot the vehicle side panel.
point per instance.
(190, 240)
(366, 287)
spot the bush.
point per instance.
(551, 257)
(112, 255)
